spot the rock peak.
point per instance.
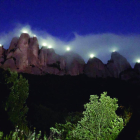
(117, 64)
(137, 67)
(24, 35)
(115, 56)
(93, 59)
(96, 68)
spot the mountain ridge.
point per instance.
(24, 55)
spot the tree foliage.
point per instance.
(16, 102)
(100, 120)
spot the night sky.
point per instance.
(86, 26)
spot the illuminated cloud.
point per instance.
(102, 44)
(25, 29)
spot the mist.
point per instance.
(100, 45)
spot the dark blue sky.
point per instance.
(64, 18)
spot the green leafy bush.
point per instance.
(62, 131)
(21, 135)
(100, 120)
(65, 129)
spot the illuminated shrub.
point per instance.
(100, 120)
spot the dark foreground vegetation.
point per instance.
(54, 100)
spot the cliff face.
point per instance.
(74, 63)
(117, 64)
(24, 55)
(96, 68)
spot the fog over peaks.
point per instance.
(100, 45)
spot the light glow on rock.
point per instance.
(68, 48)
(91, 55)
(24, 31)
(49, 46)
(138, 61)
(113, 49)
(34, 35)
(0, 45)
(44, 44)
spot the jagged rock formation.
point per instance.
(13, 44)
(137, 68)
(17, 54)
(74, 63)
(117, 64)
(96, 68)
(24, 55)
(51, 62)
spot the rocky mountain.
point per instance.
(24, 55)
(117, 64)
(96, 68)
(74, 63)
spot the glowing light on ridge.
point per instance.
(138, 61)
(24, 31)
(49, 46)
(44, 44)
(34, 35)
(0, 45)
(114, 49)
(68, 48)
(91, 55)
